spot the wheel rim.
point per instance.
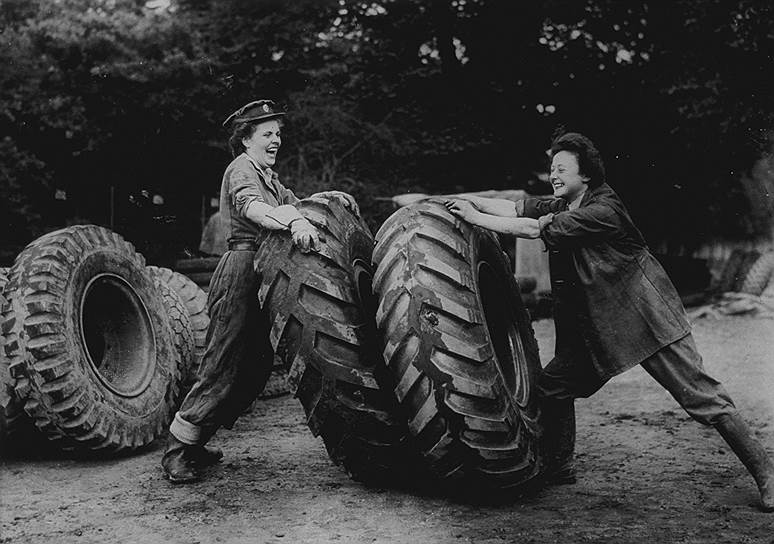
(117, 335)
(363, 276)
(363, 283)
(504, 333)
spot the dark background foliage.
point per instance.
(102, 99)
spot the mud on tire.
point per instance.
(318, 305)
(459, 347)
(88, 341)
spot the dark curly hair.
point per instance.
(241, 131)
(589, 160)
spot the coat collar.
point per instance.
(590, 194)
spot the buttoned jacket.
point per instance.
(608, 286)
(244, 182)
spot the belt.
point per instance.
(243, 245)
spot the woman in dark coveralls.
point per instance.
(614, 308)
(238, 357)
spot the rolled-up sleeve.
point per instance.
(288, 197)
(534, 208)
(584, 226)
(244, 189)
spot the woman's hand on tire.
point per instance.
(346, 199)
(463, 209)
(305, 235)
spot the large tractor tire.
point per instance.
(321, 312)
(729, 276)
(89, 342)
(759, 275)
(182, 334)
(749, 259)
(459, 348)
(11, 412)
(194, 299)
(199, 270)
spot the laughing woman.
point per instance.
(237, 356)
(614, 308)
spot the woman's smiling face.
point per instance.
(565, 177)
(264, 143)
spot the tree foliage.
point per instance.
(388, 96)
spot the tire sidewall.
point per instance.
(153, 396)
(486, 249)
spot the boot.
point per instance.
(179, 464)
(557, 443)
(205, 456)
(751, 453)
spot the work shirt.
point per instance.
(609, 287)
(244, 182)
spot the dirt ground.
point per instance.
(647, 473)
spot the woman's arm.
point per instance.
(587, 225)
(521, 227)
(493, 206)
(260, 213)
(302, 232)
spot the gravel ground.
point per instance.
(647, 473)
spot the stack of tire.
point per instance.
(415, 357)
(412, 353)
(199, 270)
(95, 344)
(759, 279)
(747, 271)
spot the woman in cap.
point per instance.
(237, 356)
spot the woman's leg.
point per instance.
(233, 307)
(678, 367)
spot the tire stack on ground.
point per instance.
(759, 276)
(199, 270)
(10, 408)
(746, 271)
(194, 300)
(429, 372)
(735, 270)
(413, 355)
(94, 345)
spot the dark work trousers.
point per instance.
(678, 367)
(238, 358)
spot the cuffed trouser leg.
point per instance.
(237, 356)
(678, 367)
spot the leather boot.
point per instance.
(557, 443)
(205, 456)
(739, 437)
(178, 462)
